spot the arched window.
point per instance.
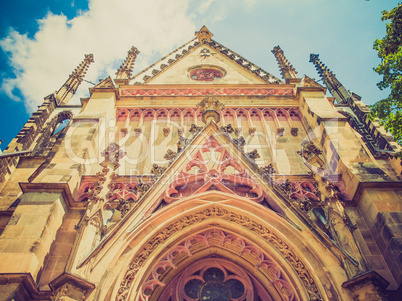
(61, 126)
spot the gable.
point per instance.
(204, 63)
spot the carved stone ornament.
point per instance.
(124, 131)
(261, 262)
(213, 168)
(253, 155)
(280, 131)
(269, 169)
(170, 155)
(157, 170)
(142, 187)
(137, 131)
(182, 143)
(294, 132)
(166, 131)
(252, 130)
(211, 213)
(112, 155)
(227, 129)
(239, 142)
(210, 108)
(195, 129)
(309, 150)
(204, 34)
(180, 132)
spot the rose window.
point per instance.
(206, 73)
(213, 284)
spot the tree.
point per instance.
(389, 50)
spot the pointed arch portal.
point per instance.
(216, 254)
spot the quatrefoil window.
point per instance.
(214, 285)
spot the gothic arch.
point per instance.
(44, 142)
(282, 245)
(216, 248)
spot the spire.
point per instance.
(204, 34)
(287, 69)
(126, 68)
(71, 85)
(335, 87)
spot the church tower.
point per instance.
(201, 177)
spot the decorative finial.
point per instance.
(287, 69)
(71, 85)
(335, 87)
(204, 34)
(210, 108)
(126, 68)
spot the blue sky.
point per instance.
(41, 42)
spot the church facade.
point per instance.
(202, 177)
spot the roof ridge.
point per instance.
(164, 58)
(246, 60)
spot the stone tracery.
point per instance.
(233, 244)
(213, 168)
(218, 213)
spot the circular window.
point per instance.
(206, 73)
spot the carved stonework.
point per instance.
(287, 187)
(182, 143)
(309, 150)
(166, 132)
(229, 242)
(269, 169)
(126, 68)
(142, 187)
(137, 131)
(294, 131)
(253, 155)
(112, 155)
(204, 34)
(124, 131)
(210, 108)
(239, 142)
(157, 170)
(252, 130)
(280, 131)
(227, 129)
(170, 155)
(195, 129)
(213, 168)
(146, 91)
(219, 213)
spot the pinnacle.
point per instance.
(204, 34)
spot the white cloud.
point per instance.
(204, 6)
(108, 30)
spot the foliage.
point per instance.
(389, 50)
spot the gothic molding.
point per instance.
(225, 244)
(217, 214)
(197, 91)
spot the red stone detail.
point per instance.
(204, 91)
(215, 237)
(210, 165)
(202, 74)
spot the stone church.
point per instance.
(202, 177)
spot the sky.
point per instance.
(41, 42)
